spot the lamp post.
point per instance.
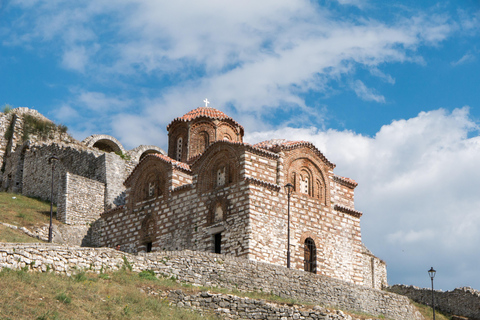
(431, 273)
(53, 159)
(288, 190)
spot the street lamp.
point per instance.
(53, 159)
(431, 273)
(288, 190)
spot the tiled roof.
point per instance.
(276, 145)
(204, 112)
(348, 181)
(349, 211)
(262, 151)
(175, 163)
(164, 158)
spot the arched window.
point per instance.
(319, 190)
(310, 256)
(221, 174)
(151, 189)
(218, 213)
(203, 141)
(179, 149)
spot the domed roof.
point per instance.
(204, 112)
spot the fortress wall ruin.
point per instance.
(82, 198)
(460, 301)
(214, 270)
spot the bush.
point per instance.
(147, 275)
(40, 127)
(63, 297)
(7, 108)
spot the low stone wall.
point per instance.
(232, 307)
(208, 269)
(460, 301)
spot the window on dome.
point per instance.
(179, 149)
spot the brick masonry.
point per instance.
(229, 197)
(223, 195)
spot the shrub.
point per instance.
(63, 297)
(147, 275)
(7, 108)
(40, 127)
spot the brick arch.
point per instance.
(147, 232)
(216, 157)
(179, 131)
(151, 175)
(226, 129)
(309, 234)
(299, 160)
(105, 143)
(303, 238)
(212, 204)
(202, 134)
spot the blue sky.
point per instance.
(389, 92)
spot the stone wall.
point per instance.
(374, 270)
(460, 301)
(228, 306)
(246, 213)
(209, 269)
(82, 198)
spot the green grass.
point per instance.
(31, 295)
(15, 236)
(427, 312)
(24, 211)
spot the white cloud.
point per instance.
(65, 112)
(100, 102)
(365, 93)
(75, 59)
(466, 58)
(257, 55)
(418, 189)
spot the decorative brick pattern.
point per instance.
(231, 199)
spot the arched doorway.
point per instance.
(310, 256)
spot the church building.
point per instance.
(216, 193)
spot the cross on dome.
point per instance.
(206, 102)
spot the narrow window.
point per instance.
(304, 184)
(218, 243)
(310, 256)
(151, 189)
(149, 246)
(179, 149)
(218, 213)
(221, 177)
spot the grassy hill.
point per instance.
(21, 211)
(117, 295)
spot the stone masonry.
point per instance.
(88, 177)
(211, 193)
(215, 193)
(215, 270)
(460, 301)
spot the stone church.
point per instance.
(215, 193)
